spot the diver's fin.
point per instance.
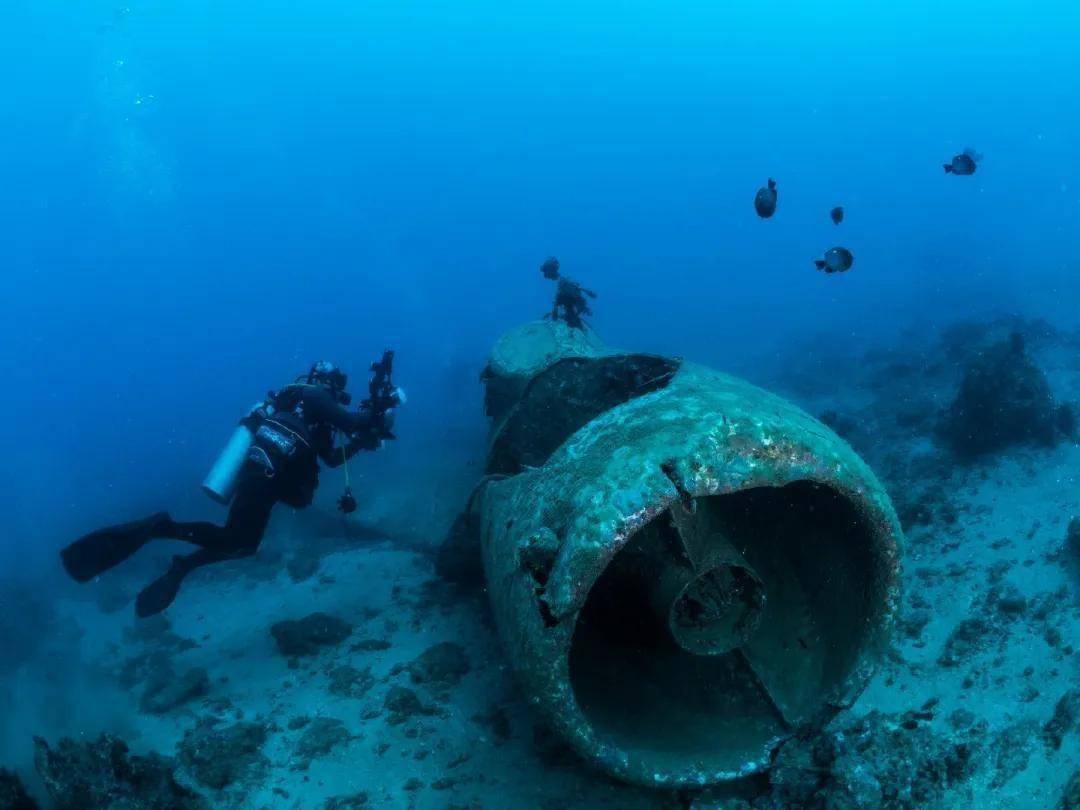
(99, 551)
(819, 264)
(948, 167)
(161, 593)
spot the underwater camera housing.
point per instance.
(685, 570)
(383, 395)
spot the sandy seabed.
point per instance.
(413, 705)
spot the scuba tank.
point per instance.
(220, 482)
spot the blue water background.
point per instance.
(198, 199)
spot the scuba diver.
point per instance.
(273, 457)
(570, 303)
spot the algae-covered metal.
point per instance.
(685, 570)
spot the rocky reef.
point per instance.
(1072, 546)
(1070, 800)
(308, 635)
(167, 692)
(1004, 399)
(880, 761)
(219, 756)
(13, 795)
(321, 736)
(104, 775)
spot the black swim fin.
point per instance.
(99, 551)
(161, 593)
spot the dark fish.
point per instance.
(765, 200)
(964, 163)
(837, 260)
(837, 215)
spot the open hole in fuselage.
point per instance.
(566, 397)
(649, 696)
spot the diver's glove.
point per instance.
(390, 415)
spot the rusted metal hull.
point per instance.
(684, 569)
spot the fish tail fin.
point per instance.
(819, 264)
(772, 183)
(948, 168)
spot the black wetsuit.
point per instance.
(282, 466)
(311, 411)
(570, 299)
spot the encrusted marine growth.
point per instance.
(684, 569)
(1004, 399)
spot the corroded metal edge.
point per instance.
(705, 434)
